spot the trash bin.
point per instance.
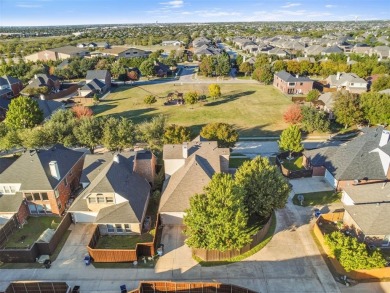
(47, 263)
(123, 289)
(76, 289)
(87, 260)
(160, 249)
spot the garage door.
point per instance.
(172, 218)
(84, 217)
(331, 180)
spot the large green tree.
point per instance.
(347, 108)
(314, 120)
(262, 196)
(218, 218)
(224, 133)
(147, 68)
(88, 132)
(291, 140)
(152, 132)
(381, 83)
(59, 128)
(23, 112)
(376, 107)
(118, 134)
(176, 134)
(312, 95)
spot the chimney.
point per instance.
(54, 170)
(35, 76)
(348, 59)
(338, 76)
(185, 150)
(296, 75)
(116, 158)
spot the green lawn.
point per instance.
(237, 162)
(294, 164)
(318, 198)
(25, 237)
(122, 241)
(256, 110)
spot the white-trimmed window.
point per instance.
(110, 228)
(119, 228)
(127, 228)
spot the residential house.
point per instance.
(361, 48)
(201, 41)
(332, 50)
(188, 169)
(208, 50)
(327, 102)
(357, 194)
(278, 52)
(10, 86)
(40, 182)
(119, 52)
(171, 43)
(290, 84)
(117, 191)
(347, 81)
(363, 160)
(314, 50)
(52, 82)
(161, 69)
(370, 223)
(55, 54)
(383, 52)
(96, 82)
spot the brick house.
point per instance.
(117, 191)
(290, 85)
(52, 82)
(41, 181)
(363, 160)
(96, 82)
(10, 86)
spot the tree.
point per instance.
(10, 140)
(218, 218)
(88, 132)
(293, 67)
(59, 129)
(293, 114)
(150, 99)
(191, 98)
(147, 68)
(263, 74)
(176, 134)
(312, 95)
(347, 108)
(222, 67)
(291, 140)
(23, 112)
(82, 111)
(33, 137)
(352, 254)
(118, 134)
(215, 91)
(246, 68)
(224, 133)
(279, 65)
(262, 198)
(239, 60)
(152, 132)
(381, 83)
(375, 107)
(206, 66)
(314, 120)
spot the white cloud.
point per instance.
(219, 14)
(174, 3)
(289, 4)
(26, 5)
(186, 13)
(330, 6)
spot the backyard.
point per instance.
(256, 110)
(318, 198)
(294, 164)
(25, 237)
(122, 241)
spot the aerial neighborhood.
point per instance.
(202, 157)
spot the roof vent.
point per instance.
(116, 158)
(356, 182)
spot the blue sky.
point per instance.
(67, 12)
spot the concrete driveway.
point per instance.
(75, 248)
(312, 184)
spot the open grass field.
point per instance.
(256, 110)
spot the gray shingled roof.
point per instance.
(327, 99)
(355, 159)
(346, 78)
(32, 168)
(6, 79)
(10, 203)
(71, 50)
(373, 219)
(333, 49)
(369, 193)
(118, 178)
(96, 74)
(94, 84)
(287, 77)
(48, 107)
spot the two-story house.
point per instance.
(289, 84)
(96, 82)
(117, 191)
(10, 86)
(347, 81)
(40, 182)
(52, 83)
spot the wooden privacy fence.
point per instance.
(38, 248)
(5, 231)
(373, 274)
(292, 173)
(190, 287)
(123, 255)
(216, 255)
(37, 287)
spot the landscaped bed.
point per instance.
(26, 236)
(318, 198)
(294, 164)
(122, 241)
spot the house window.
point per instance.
(100, 199)
(291, 84)
(110, 228)
(92, 200)
(6, 189)
(47, 208)
(13, 189)
(127, 228)
(119, 228)
(44, 196)
(109, 200)
(28, 196)
(32, 208)
(301, 83)
(36, 196)
(352, 83)
(40, 209)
